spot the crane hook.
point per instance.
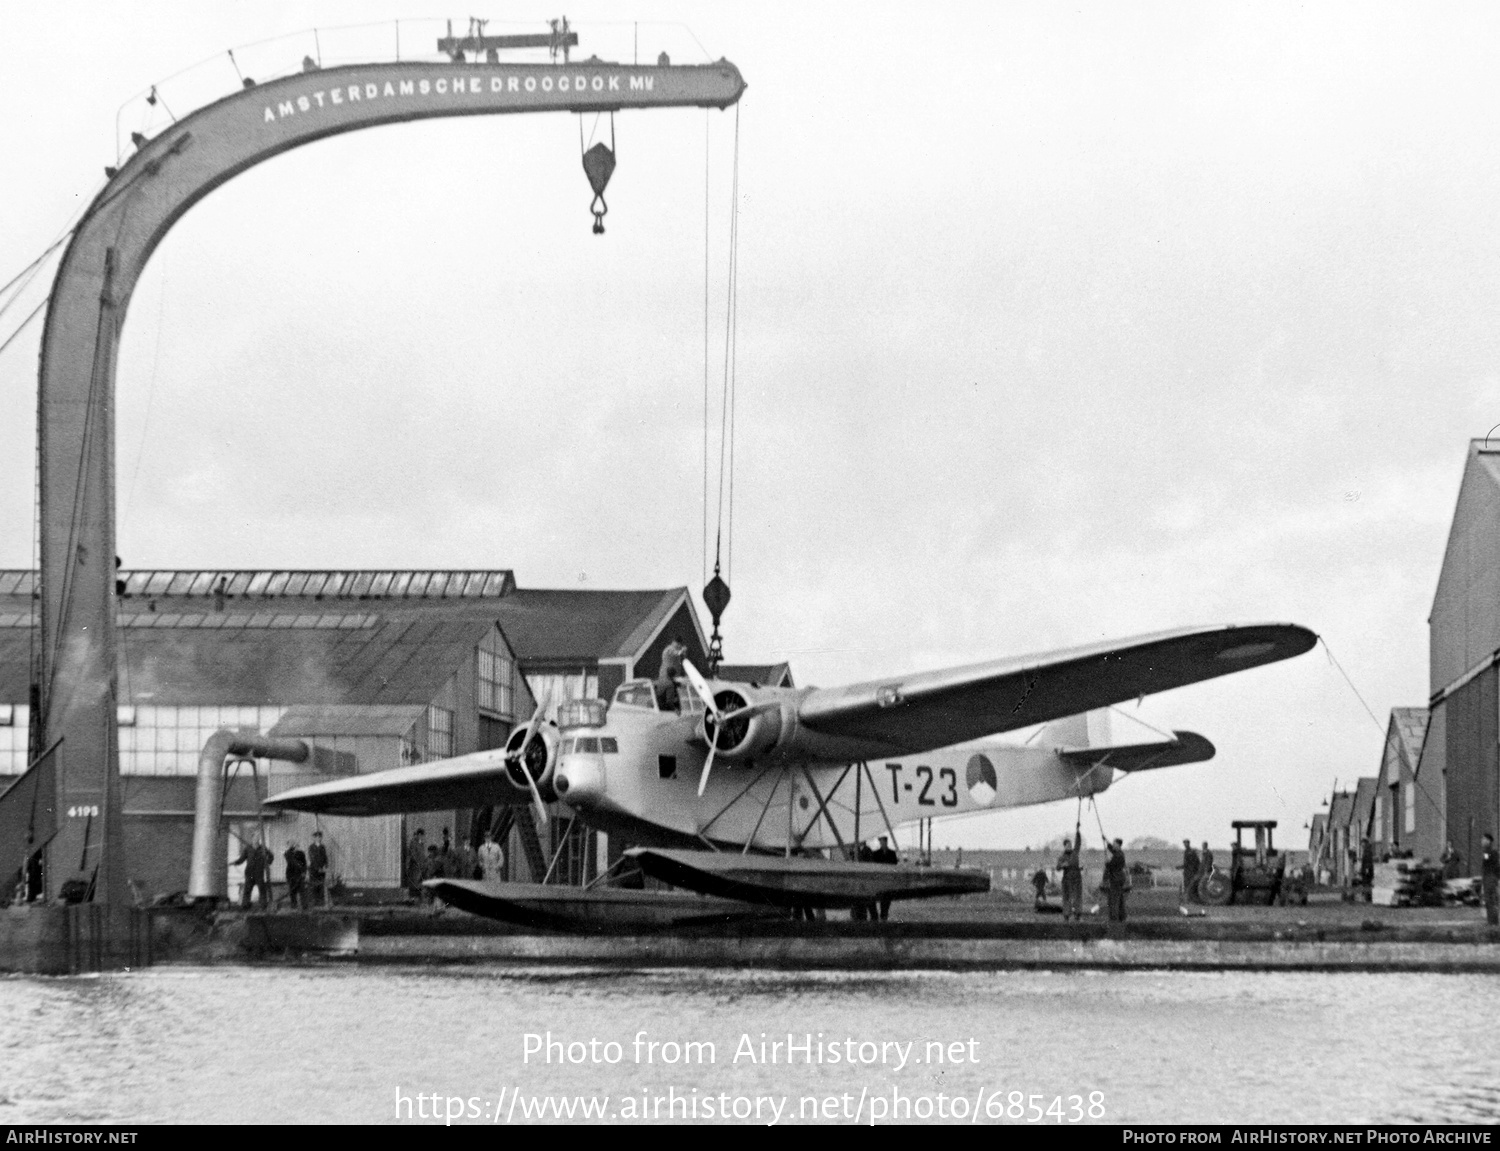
(599, 166)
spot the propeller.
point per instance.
(520, 756)
(705, 693)
(721, 718)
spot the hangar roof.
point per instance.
(542, 626)
(1405, 732)
(764, 674)
(383, 660)
(1340, 808)
(1364, 807)
(343, 719)
(558, 626)
(1464, 623)
(241, 584)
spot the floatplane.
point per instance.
(751, 796)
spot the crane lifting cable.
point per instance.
(716, 593)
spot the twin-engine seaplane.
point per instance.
(762, 795)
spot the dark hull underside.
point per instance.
(595, 909)
(803, 882)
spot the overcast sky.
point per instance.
(1056, 324)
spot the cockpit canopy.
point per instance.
(582, 713)
(642, 693)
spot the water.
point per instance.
(345, 1043)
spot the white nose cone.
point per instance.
(579, 781)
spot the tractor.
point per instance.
(1255, 873)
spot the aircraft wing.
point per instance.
(476, 780)
(936, 709)
(1187, 747)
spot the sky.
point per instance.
(1055, 324)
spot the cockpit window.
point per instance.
(688, 702)
(567, 746)
(608, 745)
(588, 743)
(636, 693)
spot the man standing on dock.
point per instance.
(296, 874)
(1070, 863)
(1189, 872)
(491, 858)
(1489, 865)
(1116, 877)
(317, 870)
(257, 860)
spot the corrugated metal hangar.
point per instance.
(1459, 769)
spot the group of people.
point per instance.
(306, 874)
(1115, 882)
(445, 860)
(1196, 866)
(883, 853)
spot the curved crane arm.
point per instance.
(109, 250)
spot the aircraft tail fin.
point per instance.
(1077, 732)
(1084, 741)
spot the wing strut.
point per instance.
(823, 809)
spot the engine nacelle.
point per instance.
(748, 736)
(541, 757)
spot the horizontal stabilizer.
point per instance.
(477, 780)
(1188, 747)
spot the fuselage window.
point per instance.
(608, 745)
(666, 766)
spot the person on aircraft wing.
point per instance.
(672, 658)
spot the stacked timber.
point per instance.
(1407, 883)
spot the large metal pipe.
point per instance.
(208, 875)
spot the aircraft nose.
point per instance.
(579, 779)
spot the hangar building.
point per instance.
(1460, 759)
(373, 669)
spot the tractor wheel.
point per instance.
(1216, 888)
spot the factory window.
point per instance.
(439, 732)
(494, 682)
(1410, 797)
(167, 740)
